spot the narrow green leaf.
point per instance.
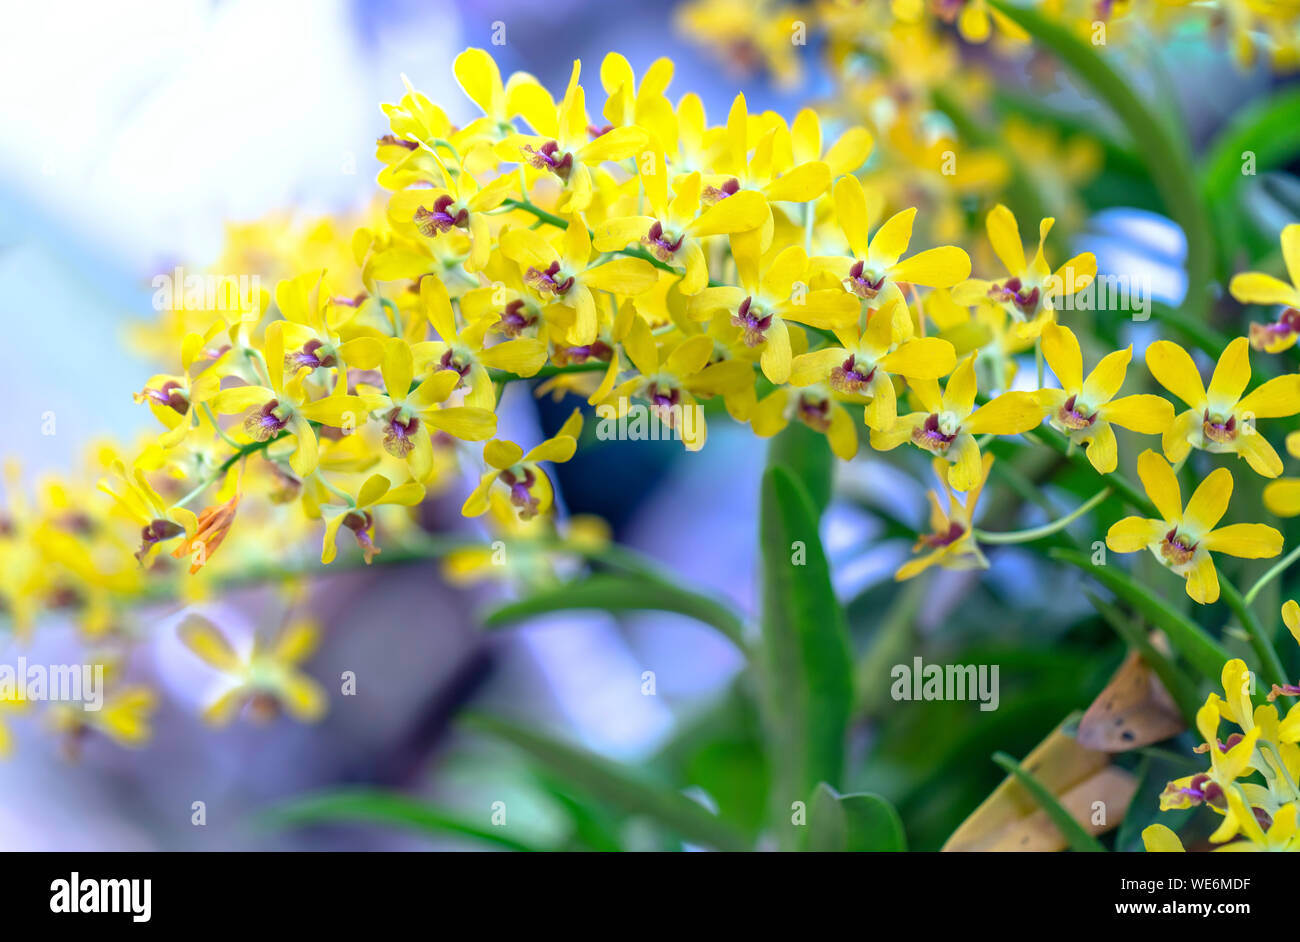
(616, 593)
(1075, 834)
(1167, 160)
(376, 806)
(1205, 654)
(858, 822)
(615, 784)
(1271, 664)
(1174, 680)
(807, 665)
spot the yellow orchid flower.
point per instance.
(465, 350)
(862, 367)
(1085, 409)
(405, 408)
(949, 423)
(1259, 288)
(1183, 539)
(951, 540)
(531, 491)
(356, 516)
(566, 145)
(672, 383)
(566, 279)
(1219, 419)
(479, 77)
(265, 679)
(768, 299)
(1031, 290)
(159, 520)
(674, 232)
(878, 267)
(174, 399)
(1282, 497)
(282, 408)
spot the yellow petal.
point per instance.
(1231, 376)
(1245, 540)
(959, 393)
(623, 276)
(803, 183)
(1282, 498)
(1061, 350)
(1004, 233)
(478, 75)
(1106, 378)
(1203, 580)
(464, 422)
(1174, 369)
(1009, 414)
(851, 211)
(737, 213)
(942, 267)
(1274, 399)
(206, 640)
(1259, 454)
(1103, 451)
(1143, 413)
(1159, 839)
(1133, 534)
(891, 240)
(502, 454)
(922, 358)
(1258, 288)
(1209, 502)
(1161, 484)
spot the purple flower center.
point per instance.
(549, 281)
(550, 158)
(753, 327)
(514, 320)
(1070, 416)
(521, 494)
(433, 222)
(847, 378)
(399, 436)
(262, 424)
(1217, 429)
(861, 284)
(1012, 291)
(931, 437)
(662, 248)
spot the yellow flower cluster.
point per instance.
(747, 36)
(630, 251)
(1258, 816)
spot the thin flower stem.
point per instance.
(207, 409)
(1272, 574)
(1047, 529)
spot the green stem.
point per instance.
(1274, 673)
(1047, 529)
(1272, 574)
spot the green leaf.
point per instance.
(1075, 835)
(1205, 654)
(376, 806)
(1167, 160)
(807, 456)
(1180, 688)
(615, 784)
(859, 822)
(1268, 130)
(807, 665)
(609, 592)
